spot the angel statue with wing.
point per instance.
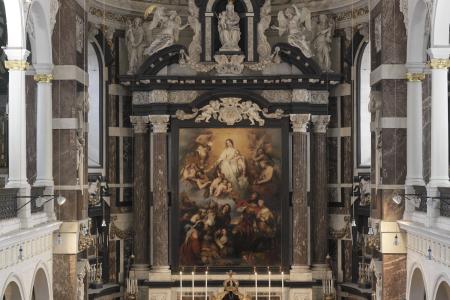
(170, 24)
(297, 23)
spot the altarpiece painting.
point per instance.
(230, 196)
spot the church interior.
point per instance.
(224, 149)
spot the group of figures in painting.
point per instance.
(313, 38)
(229, 197)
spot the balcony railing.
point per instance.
(445, 208)
(8, 203)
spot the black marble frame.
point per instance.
(176, 125)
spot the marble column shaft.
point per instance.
(140, 193)
(160, 220)
(299, 195)
(319, 205)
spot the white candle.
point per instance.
(181, 285)
(206, 285)
(269, 284)
(193, 285)
(282, 284)
(256, 285)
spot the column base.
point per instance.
(319, 270)
(44, 182)
(140, 271)
(17, 184)
(414, 182)
(438, 182)
(160, 273)
(300, 273)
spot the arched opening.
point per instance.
(95, 115)
(417, 286)
(443, 292)
(12, 292)
(40, 287)
(362, 106)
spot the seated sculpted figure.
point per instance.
(229, 31)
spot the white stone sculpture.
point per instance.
(134, 37)
(322, 42)
(193, 20)
(264, 49)
(297, 23)
(229, 64)
(170, 24)
(229, 31)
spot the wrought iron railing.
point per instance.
(445, 208)
(8, 203)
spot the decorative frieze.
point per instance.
(155, 96)
(319, 97)
(301, 96)
(159, 123)
(277, 96)
(230, 111)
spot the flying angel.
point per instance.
(170, 24)
(297, 23)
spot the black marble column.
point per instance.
(160, 220)
(299, 197)
(140, 194)
(319, 204)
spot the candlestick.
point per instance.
(256, 285)
(181, 285)
(282, 284)
(206, 285)
(269, 282)
(193, 284)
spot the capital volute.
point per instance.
(140, 123)
(16, 65)
(320, 123)
(43, 78)
(159, 123)
(299, 122)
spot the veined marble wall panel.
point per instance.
(426, 124)
(30, 94)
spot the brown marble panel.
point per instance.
(64, 157)
(30, 98)
(160, 198)
(391, 211)
(64, 98)
(140, 199)
(64, 276)
(332, 148)
(332, 111)
(393, 98)
(346, 159)
(319, 205)
(299, 200)
(393, 156)
(347, 260)
(394, 276)
(64, 35)
(346, 111)
(393, 37)
(112, 257)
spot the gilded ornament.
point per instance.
(415, 77)
(43, 78)
(439, 63)
(16, 65)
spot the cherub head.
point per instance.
(289, 12)
(137, 22)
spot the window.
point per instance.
(95, 116)
(362, 104)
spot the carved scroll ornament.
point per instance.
(230, 111)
